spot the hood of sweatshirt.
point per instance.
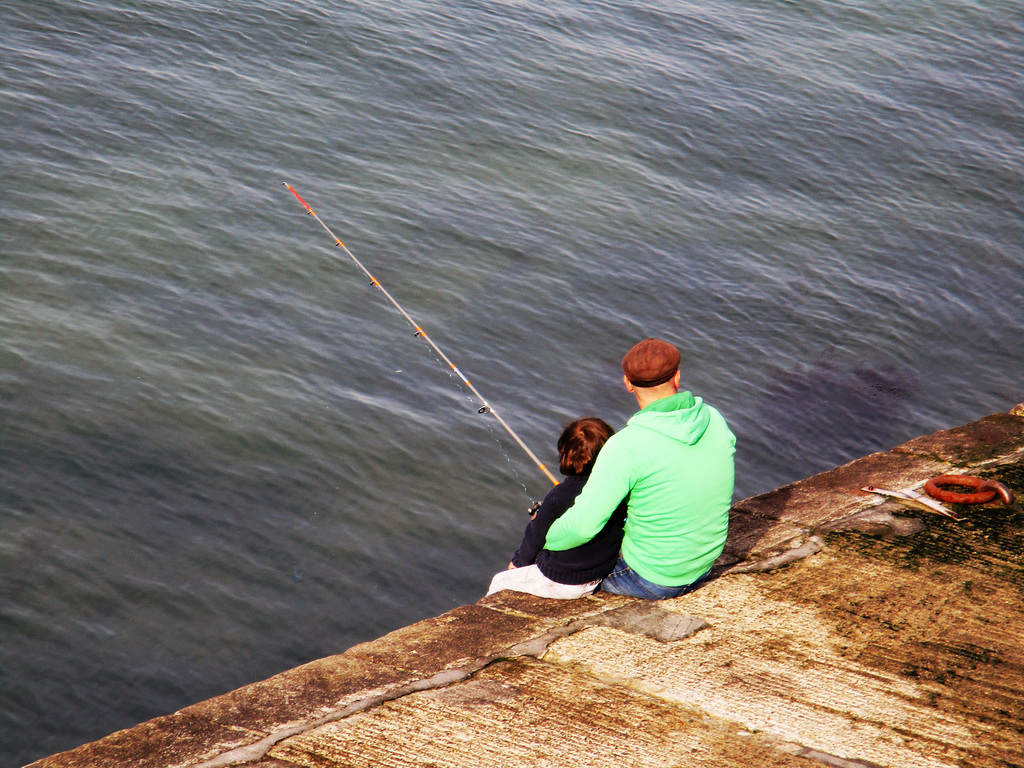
(680, 416)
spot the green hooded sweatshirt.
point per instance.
(674, 460)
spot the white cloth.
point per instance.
(529, 579)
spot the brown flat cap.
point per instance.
(650, 363)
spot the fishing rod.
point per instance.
(485, 406)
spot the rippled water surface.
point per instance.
(223, 453)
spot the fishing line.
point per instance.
(485, 407)
(495, 436)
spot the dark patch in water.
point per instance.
(857, 393)
(813, 418)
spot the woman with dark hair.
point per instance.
(574, 572)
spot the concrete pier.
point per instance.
(842, 629)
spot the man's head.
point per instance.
(651, 370)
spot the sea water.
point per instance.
(223, 453)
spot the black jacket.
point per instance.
(579, 565)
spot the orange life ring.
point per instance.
(981, 495)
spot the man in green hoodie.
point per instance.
(674, 460)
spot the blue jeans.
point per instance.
(623, 580)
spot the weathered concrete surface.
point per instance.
(842, 630)
(523, 712)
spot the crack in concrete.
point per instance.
(258, 750)
(834, 760)
(641, 618)
(799, 549)
(638, 619)
(877, 520)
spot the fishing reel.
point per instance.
(532, 511)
